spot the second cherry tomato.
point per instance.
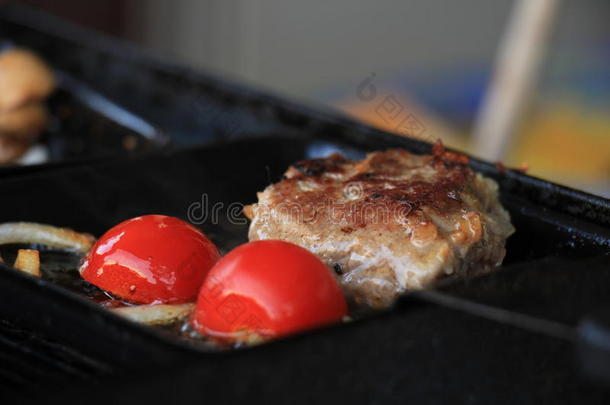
(267, 288)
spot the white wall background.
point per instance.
(301, 48)
(298, 47)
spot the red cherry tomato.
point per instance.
(151, 259)
(266, 289)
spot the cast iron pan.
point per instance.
(506, 337)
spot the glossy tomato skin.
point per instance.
(267, 288)
(151, 259)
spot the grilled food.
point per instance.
(25, 81)
(12, 149)
(24, 123)
(24, 78)
(389, 223)
(160, 314)
(28, 261)
(46, 235)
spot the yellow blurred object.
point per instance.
(565, 141)
(566, 144)
(24, 78)
(401, 115)
(25, 82)
(25, 122)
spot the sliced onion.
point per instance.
(161, 314)
(28, 261)
(46, 235)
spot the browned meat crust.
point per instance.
(389, 223)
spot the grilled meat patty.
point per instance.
(390, 223)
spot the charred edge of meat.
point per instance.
(316, 167)
(447, 158)
(502, 169)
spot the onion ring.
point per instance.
(46, 235)
(161, 314)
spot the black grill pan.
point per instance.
(534, 342)
(508, 337)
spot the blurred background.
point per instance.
(416, 67)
